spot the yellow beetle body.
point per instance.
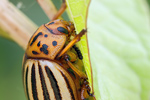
(50, 64)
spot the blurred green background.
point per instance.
(11, 54)
(11, 87)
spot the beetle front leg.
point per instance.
(72, 42)
(81, 74)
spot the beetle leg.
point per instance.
(72, 42)
(85, 91)
(72, 56)
(61, 10)
(76, 70)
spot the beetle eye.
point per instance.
(51, 23)
(63, 30)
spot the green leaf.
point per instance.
(77, 10)
(119, 41)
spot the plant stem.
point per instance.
(15, 24)
(48, 7)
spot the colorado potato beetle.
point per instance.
(52, 64)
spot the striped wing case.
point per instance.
(47, 80)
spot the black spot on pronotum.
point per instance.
(54, 83)
(39, 43)
(44, 49)
(54, 43)
(35, 53)
(45, 35)
(34, 39)
(44, 87)
(63, 30)
(68, 86)
(51, 31)
(32, 35)
(51, 23)
(33, 83)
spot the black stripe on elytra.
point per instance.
(44, 88)
(33, 82)
(44, 49)
(35, 53)
(34, 39)
(54, 83)
(68, 86)
(63, 30)
(51, 31)
(26, 82)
